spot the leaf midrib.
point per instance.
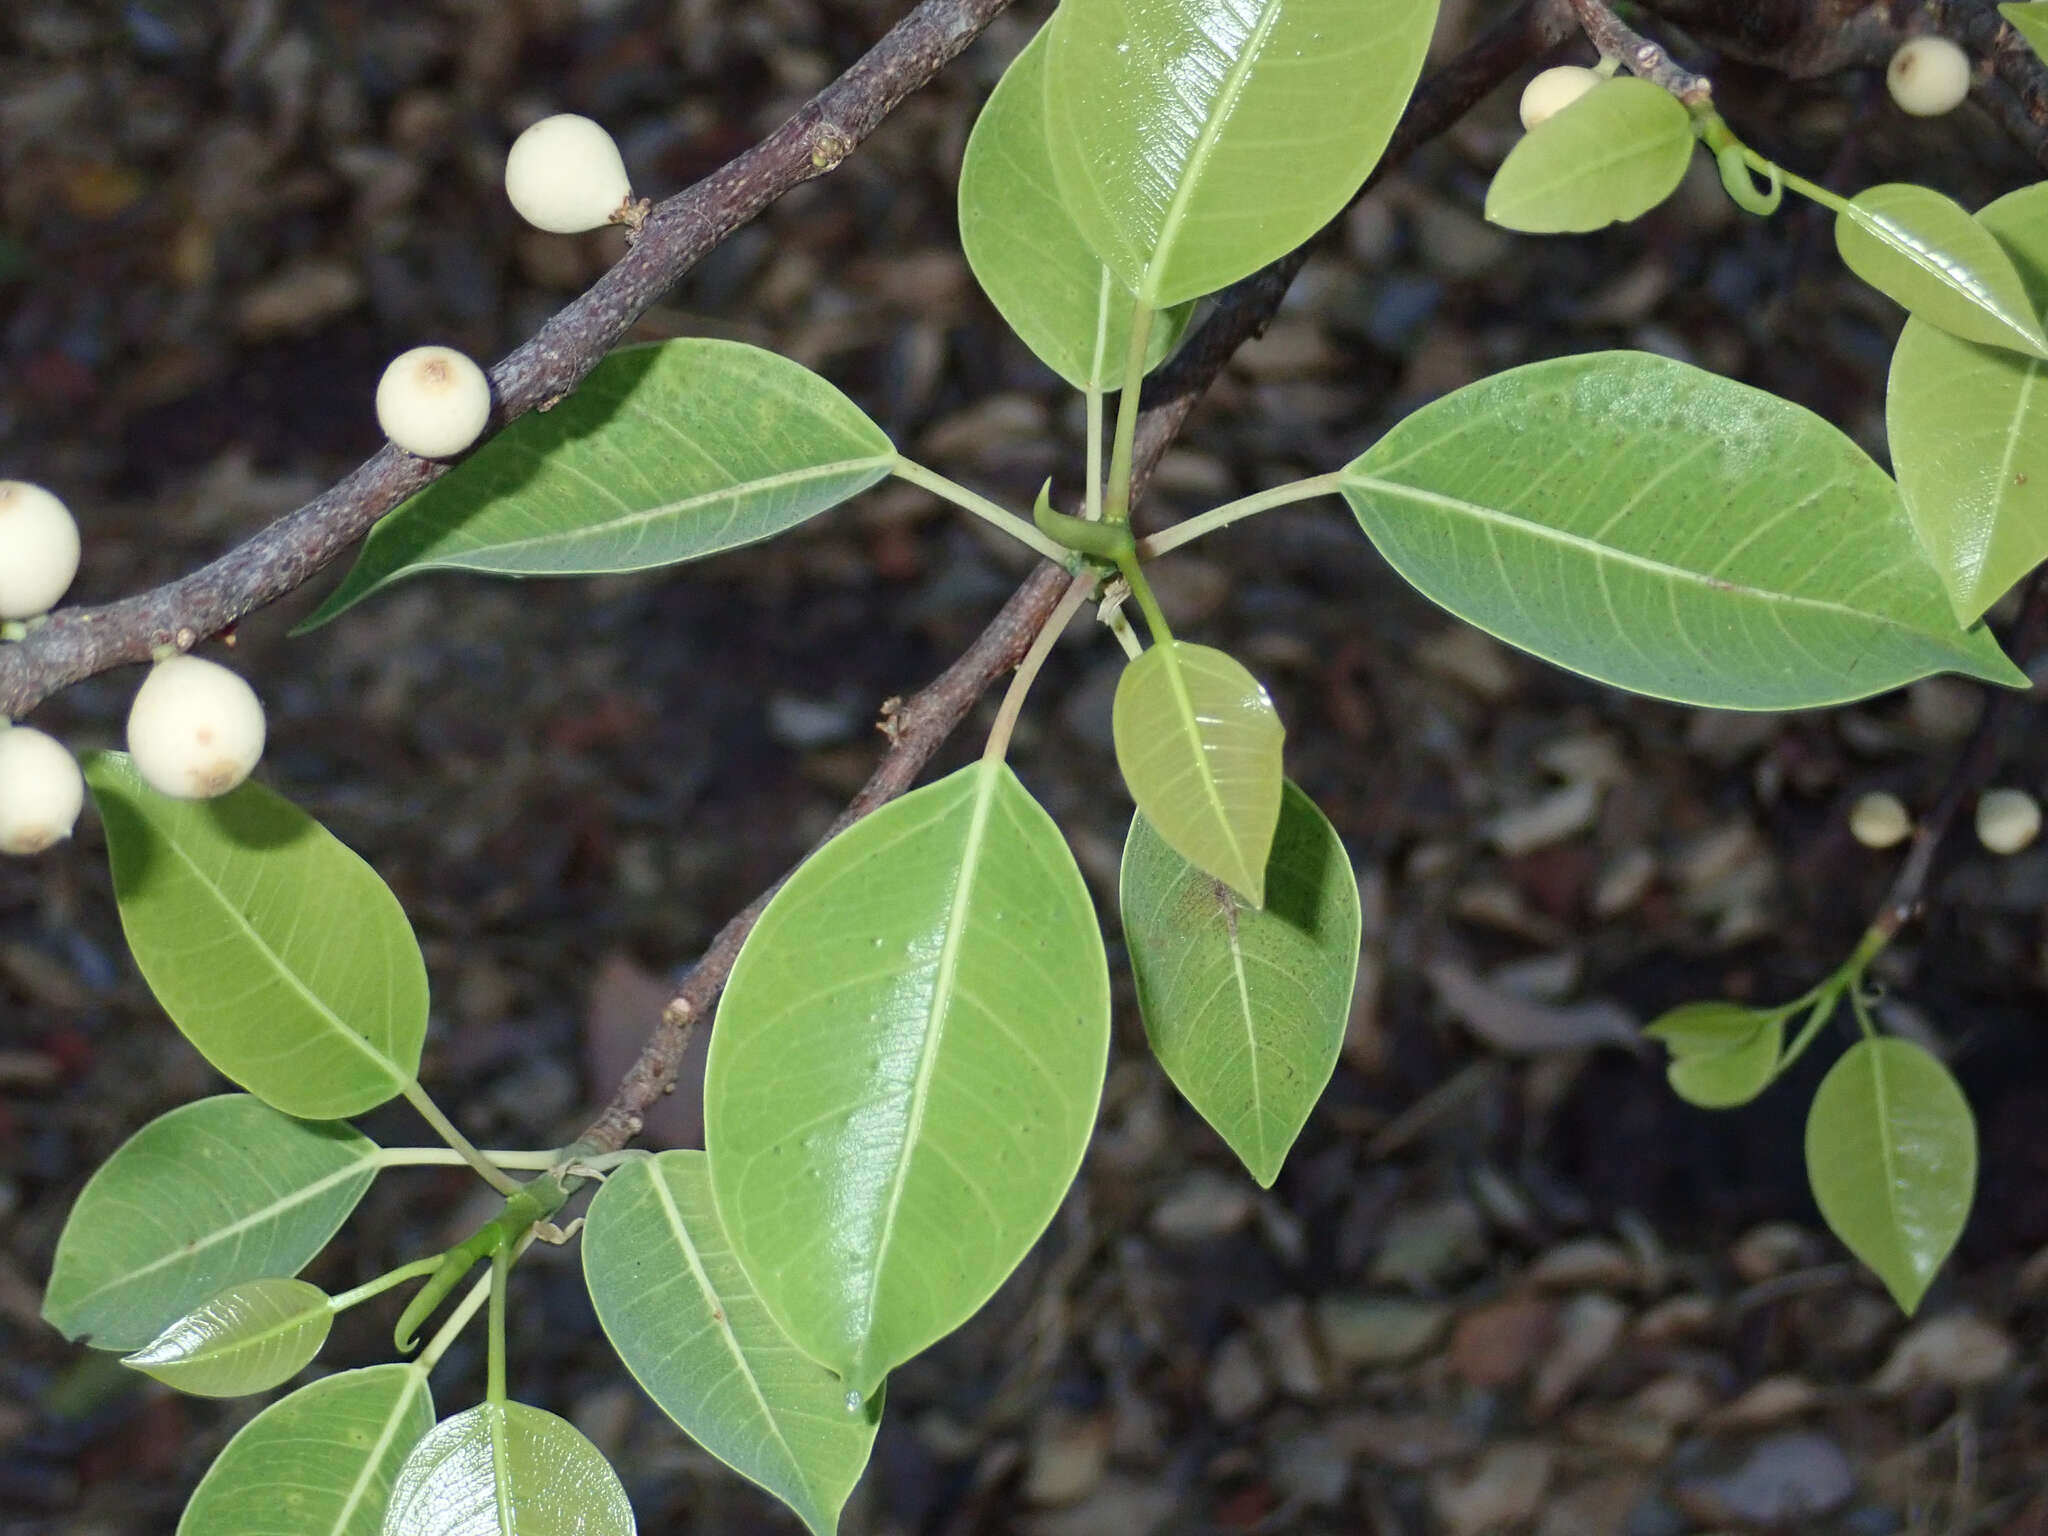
(1956, 279)
(988, 778)
(326, 1014)
(1220, 108)
(1718, 584)
(1169, 659)
(416, 1379)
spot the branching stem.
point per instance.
(1173, 538)
(1127, 407)
(446, 1129)
(1018, 528)
(1079, 590)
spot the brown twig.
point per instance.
(1972, 769)
(77, 643)
(919, 727)
(1646, 60)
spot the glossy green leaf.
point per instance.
(1196, 140)
(1722, 1054)
(1891, 1152)
(320, 1462)
(1246, 1006)
(210, 1194)
(1611, 156)
(2030, 20)
(1029, 257)
(1666, 530)
(1199, 743)
(1969, 433)
(251, 1337)
(679, 1310)
(275, 949)
(665, 453)
(906, 1069)
(1925, 251)
(504, 1469)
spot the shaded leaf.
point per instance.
(1199, 743)
(210, 1194)
(1666, 530)
(1025, 250)
(1891, 1152)
(906, 1069)
(1722, 1054)
(665, 453)
(317, 1463)
(504, 1469)
(1969, 433)
(1195, 141)
(1609, 157)
(249, 1338)
(1246, 1007)
(1925, 251)
(682, 1315)
(274, 949)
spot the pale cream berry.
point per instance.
(41, 790)
(2007, 820)
(1928, 76)
(1554, 90)
(195, 729)
(1879, 820)
(564, 175)
(38, 550)
(433, 401)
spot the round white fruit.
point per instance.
(1879, 820)
(2007, 820)
(1554, 90)
(564, 175)
(38, 550)
(195, 729)
(433, 401)
(1928, 76)
(41, 790)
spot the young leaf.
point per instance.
(678, 1309)
(248, 1338)
(1969, 433)
(906, 1069)
(319, 1462)
(1924, 250)
(210, 1194)
(1611, 156)
(2030, 20)
(276, 950)
(1665, 530)
(1891, 1152)
(1195, 142)
(1030, 259)
(1199, 743)
(665, 453)
(1722, 1054)
(1246, 1006)
(504, 1469)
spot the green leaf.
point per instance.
(319, 1462)
(906, 1069)
(665, 453)
(678, 1309)
(249, 1338)
(504, 1469)
(1246, 1006)
(1029, 257)
(1925, 251)
(1611, 156)
(1665, 530)
(210, 1194)
(1722, 1054)
(1194, 141)
(1969, 433)
(2031, 22)
(276, 950)
(1199, 743)
(1891, 1152)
